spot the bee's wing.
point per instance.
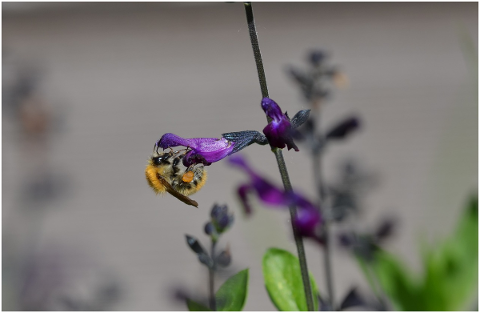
(176, 194)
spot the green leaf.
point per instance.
(195, 306)
(450, 271)
(396, 281)
(283, 280)
(232, 294)
(452, 267)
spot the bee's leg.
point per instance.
(197, 170)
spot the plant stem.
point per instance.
(280, 160)
(316, 156)
(213, 306)
(256, 49)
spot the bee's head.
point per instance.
(161, 158)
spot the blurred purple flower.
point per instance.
(308, 219)
(279, 131)
(267, 192)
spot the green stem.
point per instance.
(280, 160)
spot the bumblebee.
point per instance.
(165, 173)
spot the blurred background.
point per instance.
(89, 87)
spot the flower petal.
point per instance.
(266, 191)
(307, 222)
(308, 219)
(280, 134)
(301, 202)
(210, 150)
(203, 150)
(171, 140)
(272, 109)
(279, 129)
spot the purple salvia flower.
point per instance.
(279, 130)
(266, 191)
(209, 150)
(203, 150)
(308, 219)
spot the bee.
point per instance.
(165, 173)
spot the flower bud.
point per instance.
(209, 229)
(316, 57)
(224, 258)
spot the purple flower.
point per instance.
(203, 150)
(279, 130)
(308, 219)
(266, 191)
(209, 150)
(308, 223)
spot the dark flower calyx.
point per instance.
(300, 118)
(195, 245)
(245, 138)
(203, 256)
(344, 128)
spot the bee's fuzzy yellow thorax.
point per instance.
(151, 173)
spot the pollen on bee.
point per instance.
(187, 177)
(151, 173)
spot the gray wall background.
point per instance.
(115, 77)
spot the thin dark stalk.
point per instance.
(280, 160)
(256, 49)
(327, 260)
(211, 297)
